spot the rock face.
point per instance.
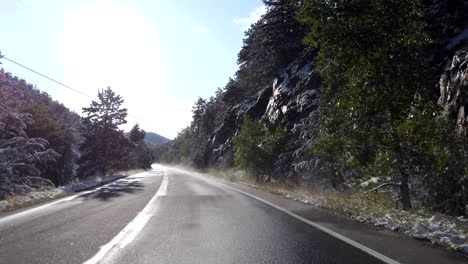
(221, 141)
(291, 102)
(295, 105)
(453, 87)
(293, 99)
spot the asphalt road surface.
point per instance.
(167, 215)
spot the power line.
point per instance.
(22, 3)
(60, 83)
(47, 77)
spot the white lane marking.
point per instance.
(130, 232)
(11, 217)
(353, 243)
(322, 228)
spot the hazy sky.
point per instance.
(160, 55)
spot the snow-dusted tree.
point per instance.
(52, 119)
(21, 157)
(105, 146)
(46, 127)
(70, 156)
(270, 44)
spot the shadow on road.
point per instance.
(115, 190)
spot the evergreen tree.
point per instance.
(70, 156)
(248, 152)
(105, 146)
(371, 54)
(270, 44)
(136, 134)
(255, 150)
(233, 93)
(200, 130)
(141, 155)
(47, 128)
(22, 157)
(52, 120)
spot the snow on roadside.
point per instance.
(439, 229)
(91, 183)
(435, 228)
(31, 198)
(50, 193)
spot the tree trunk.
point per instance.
(405, 192)
(404, 178)
(259, 178)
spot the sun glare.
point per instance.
(112, 45)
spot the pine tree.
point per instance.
(22, 157)
(270, 44)
(371, 55)
(256, 150)
(141, 156)
(105, 146)
(136, 134)
(46, 127)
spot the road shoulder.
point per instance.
(391, 244)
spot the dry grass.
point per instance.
(350, 203)
(13, 203)
(378, 209)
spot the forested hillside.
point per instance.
(44, 144)
(335, 93)
(155, 139)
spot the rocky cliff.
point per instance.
(453, 87)
(292, 101)
(290, 91)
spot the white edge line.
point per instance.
(132, 229)
(332, 233)
(64, 199)
(322, 228)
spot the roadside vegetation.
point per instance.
(380, 133)
(378, 115)
(49, 193)
(44, 145)
(354, 106)
(369, 207)
(256, 150)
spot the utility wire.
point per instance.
(23, 4)
(47, 77)
(62, 84)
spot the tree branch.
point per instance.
(383, 185)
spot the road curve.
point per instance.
(171, 216)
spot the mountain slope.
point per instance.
(155, 139)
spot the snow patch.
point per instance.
(464, 248)
(438, 229)
(50, 193)
(373, 180)
(30, 198)
(91, 183)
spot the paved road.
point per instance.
(170, 216)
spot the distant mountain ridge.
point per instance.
(155, 139)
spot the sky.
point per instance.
(159, 55)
